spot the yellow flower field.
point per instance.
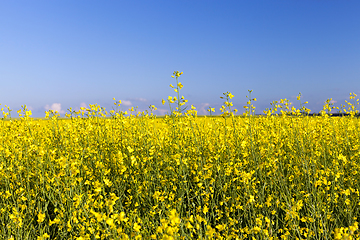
(284, 175)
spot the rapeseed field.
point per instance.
(127, 175)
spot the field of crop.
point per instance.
(279, 176)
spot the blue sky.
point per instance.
(63, 54)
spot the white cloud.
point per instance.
(126, 103)
(83, 104)
(333, 101)
(55, 107)
(203, 108)
(162, 111)
(140, 99)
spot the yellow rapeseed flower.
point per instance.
(41, 217)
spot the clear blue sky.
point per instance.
(72, 53)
